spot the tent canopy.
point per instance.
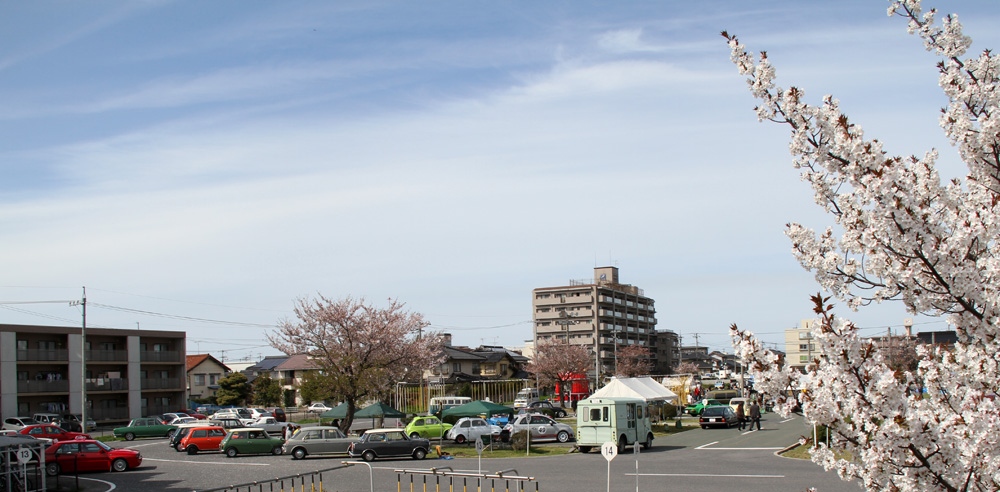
(645, 388)
(380, 410)
(478, 407)
(338, 412)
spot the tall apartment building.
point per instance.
(668, 352)
(128, 373)
(799, 346)
(603, 315)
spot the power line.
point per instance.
(177, 316)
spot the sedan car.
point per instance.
(88, 455)
(250, 440)
(17, 423)
(541, 427)
(472, 428)
(146, 427)
(318, 440)
(545, 407)
(49, 431)
(427, 427)
(271, 425)
(697, 408)
(71, 422)
(318, 408)
(388, 443)
(718, 416)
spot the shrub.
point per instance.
(519, 440)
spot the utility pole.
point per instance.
(83, 360)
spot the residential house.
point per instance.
(291, 373)
(203, 374)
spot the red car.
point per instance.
(53, 432)
(88, 455)
(199, 416)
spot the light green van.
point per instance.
(621, 420)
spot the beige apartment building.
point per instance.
(602, 314)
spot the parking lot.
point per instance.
(706, 459)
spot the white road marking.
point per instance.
(110, 485)
(703, 446)
(789, 419)
(227, 463)
(703, 475)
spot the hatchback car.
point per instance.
(318, 440)
(49, 431)
(250, 441)
(88, 455)
(146, 427)
(546, 407)
(182, 430)
(17, 423)
(206, 438)
(388, 443)
(723, 416)
(696, 408)
(427, 427)
(472, 428)
(541, 427)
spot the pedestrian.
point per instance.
(754, 415)
(741, 415)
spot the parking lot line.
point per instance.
(227, 463)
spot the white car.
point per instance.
(541, 427)
(318, 408)
(17, 423)
(271, 425)
(470, 429)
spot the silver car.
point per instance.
(470, 429)
(540, 426)
(317, 440)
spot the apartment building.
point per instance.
(602, 314)
(124, 374)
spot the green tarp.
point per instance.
(478, 407)
(379, 410)
(340, 412)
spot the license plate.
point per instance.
(716, 420)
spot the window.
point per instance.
(213, 379)
(456, 367)
(805, 335)
(803, 358)
(199, 433)
(806, 346)
(199, 380)
(160, 347)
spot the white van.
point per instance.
(621, 420)
(525, 397)
(442, 403)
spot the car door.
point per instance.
(399, 444)
(93, 458)
(66, 456)
(542, 427)
(335, 441)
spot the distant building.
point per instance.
(126, 374)
(698, 356)
(602, 315)
(484, 363)
(291, 373)
(668, 352)
(203, 375)
(800, 349)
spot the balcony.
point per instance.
(43, 386)
(107, 384)
(61, 355)
(107, 356)
(160, 384)
(161, 356)
(107, 414)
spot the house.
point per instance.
(203, 375)
(463, 364)
(291, 373)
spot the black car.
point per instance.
(279, 414)
(545, 407)
(723, 416)
(389, 443)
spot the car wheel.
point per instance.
(170, 433)
(179, 447)
(621, 445)
(192, 449)
(505, 436)
(562, 436)
(119, 465)
(649, 441)
(419, 454)
(129, 436)
(276, 451)
(298, 453)
(52, 469)
(368, 455)
(584, 449)
(460, 439)
(704, 427)
(232, 452)
(415, 435)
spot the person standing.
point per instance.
(741, 415)
(754, 415)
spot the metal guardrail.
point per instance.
(466, 481)
(301, 482)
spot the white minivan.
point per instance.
(525, 397)
(441, 403)
(620, 420)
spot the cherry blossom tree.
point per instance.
(901, 235)
(633, 360)
(362, 350)
(559, 362)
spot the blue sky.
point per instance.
(219, 160)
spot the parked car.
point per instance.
(735, 402)
(271, 425)
(388, 443)
(228, 423)
(144, 427)
(182, 430)
(318, 440)
(427, 427)
(541, 427)
(250, 440)
(702, 404)
(525, 397)
(52, 432)
(723, 416)
(471, 428)
(545, 407)
(46, 418)
(192, 413)
(279, 414)
(88, 455)
(71, 422)
(318, 408)
(17, 423)
(205, 438)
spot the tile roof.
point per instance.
(196, 360)
(296, 363)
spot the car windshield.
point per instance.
(714, 411)
(103, 446)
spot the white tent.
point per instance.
(646, 388)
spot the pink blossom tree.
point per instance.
(902, 235)
(633, 360)
(559, 362)
(362, 350)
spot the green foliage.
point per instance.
(316, 386)
(266, 391)
(289, 398)
(233, 389)
(465, 390)
(669, 411)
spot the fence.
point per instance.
(464, 481)
(302, 482)
(415, 397)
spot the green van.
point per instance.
(620, 420)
